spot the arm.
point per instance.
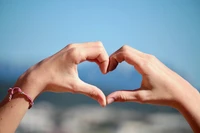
(11, 113)
(160, 85)
(189, 107)
(57, 73)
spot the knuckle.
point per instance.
(75, 54)
(142, 97)
(99, 43)
(93, 94)
(72, 52)
(124, 48)
(71, 45)
(121, 96)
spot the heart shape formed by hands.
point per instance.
(95, 52)
(61, 74)
(157, 79)
(58, 73)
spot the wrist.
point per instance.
(189, 99)
(31, 83)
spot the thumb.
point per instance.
(138, 95)
(91, 91)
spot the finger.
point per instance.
(96, 52)
(94, 60)
(126, 47)
(139, 95)
(91, 91)
(128, 54)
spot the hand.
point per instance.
(58, 73)
(160, 85)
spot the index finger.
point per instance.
(128, 54)
(94, 51)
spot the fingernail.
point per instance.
(110, 100)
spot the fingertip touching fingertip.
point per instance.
(110, 100)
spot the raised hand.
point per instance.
(160, 85)
(58, 73)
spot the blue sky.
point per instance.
(170, 29)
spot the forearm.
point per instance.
(190, 109)
(12, 112)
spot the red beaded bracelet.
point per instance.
(15, 90)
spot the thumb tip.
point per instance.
(103, 105)
(102, 102)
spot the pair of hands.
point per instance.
(58, 73)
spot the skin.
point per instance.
(58, 73)
(160, 85)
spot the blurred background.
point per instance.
(33, 30)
